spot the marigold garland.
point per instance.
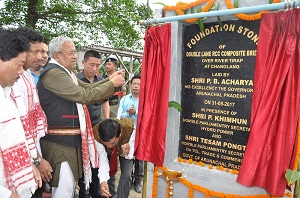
(208, 193)
(298, 147)
(155, 182)
(210, 166)
(181, 6)
(235, 172)
(247, 17)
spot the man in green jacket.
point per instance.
(69, 143)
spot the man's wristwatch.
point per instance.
(37, 161)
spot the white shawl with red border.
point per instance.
(15, 161)
(33, 118)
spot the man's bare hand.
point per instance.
(125, 148)
(121, 72)
(37, 175)
(14, 195)
(104, 189)
(131, 111)
(118, 80)
(45, 170)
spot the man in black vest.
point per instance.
(68, 144)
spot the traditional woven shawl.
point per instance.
(15, 158)
(33, 118)
(89, 151)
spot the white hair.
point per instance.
(55, 44)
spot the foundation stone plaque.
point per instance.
(217, 85)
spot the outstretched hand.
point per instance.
(104, 189)
(118, 80)
(120, 72)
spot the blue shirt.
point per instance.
(35, 77)
(126, 103)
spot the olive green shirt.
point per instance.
(60, 83)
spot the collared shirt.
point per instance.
(125, 104)
(103, 173)
(94, 109)
(35, 77)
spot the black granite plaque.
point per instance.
(217, 85)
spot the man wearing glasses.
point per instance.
(128, 108)
(69, 143)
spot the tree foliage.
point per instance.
(112, 23)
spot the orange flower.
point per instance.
(221, 168)
(181, 6)
(235, 172)
(298, 147)
(192, 187)
(155, 181)
(288, 194)
(246, 17)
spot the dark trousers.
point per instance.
(138, 171)
(125, 177)
(94, 190)
(125, 182)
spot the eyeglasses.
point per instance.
(70, 53)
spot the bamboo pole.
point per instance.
(144, 192)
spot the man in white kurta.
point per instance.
(18, 176)
(33, 118)
(13, 148)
